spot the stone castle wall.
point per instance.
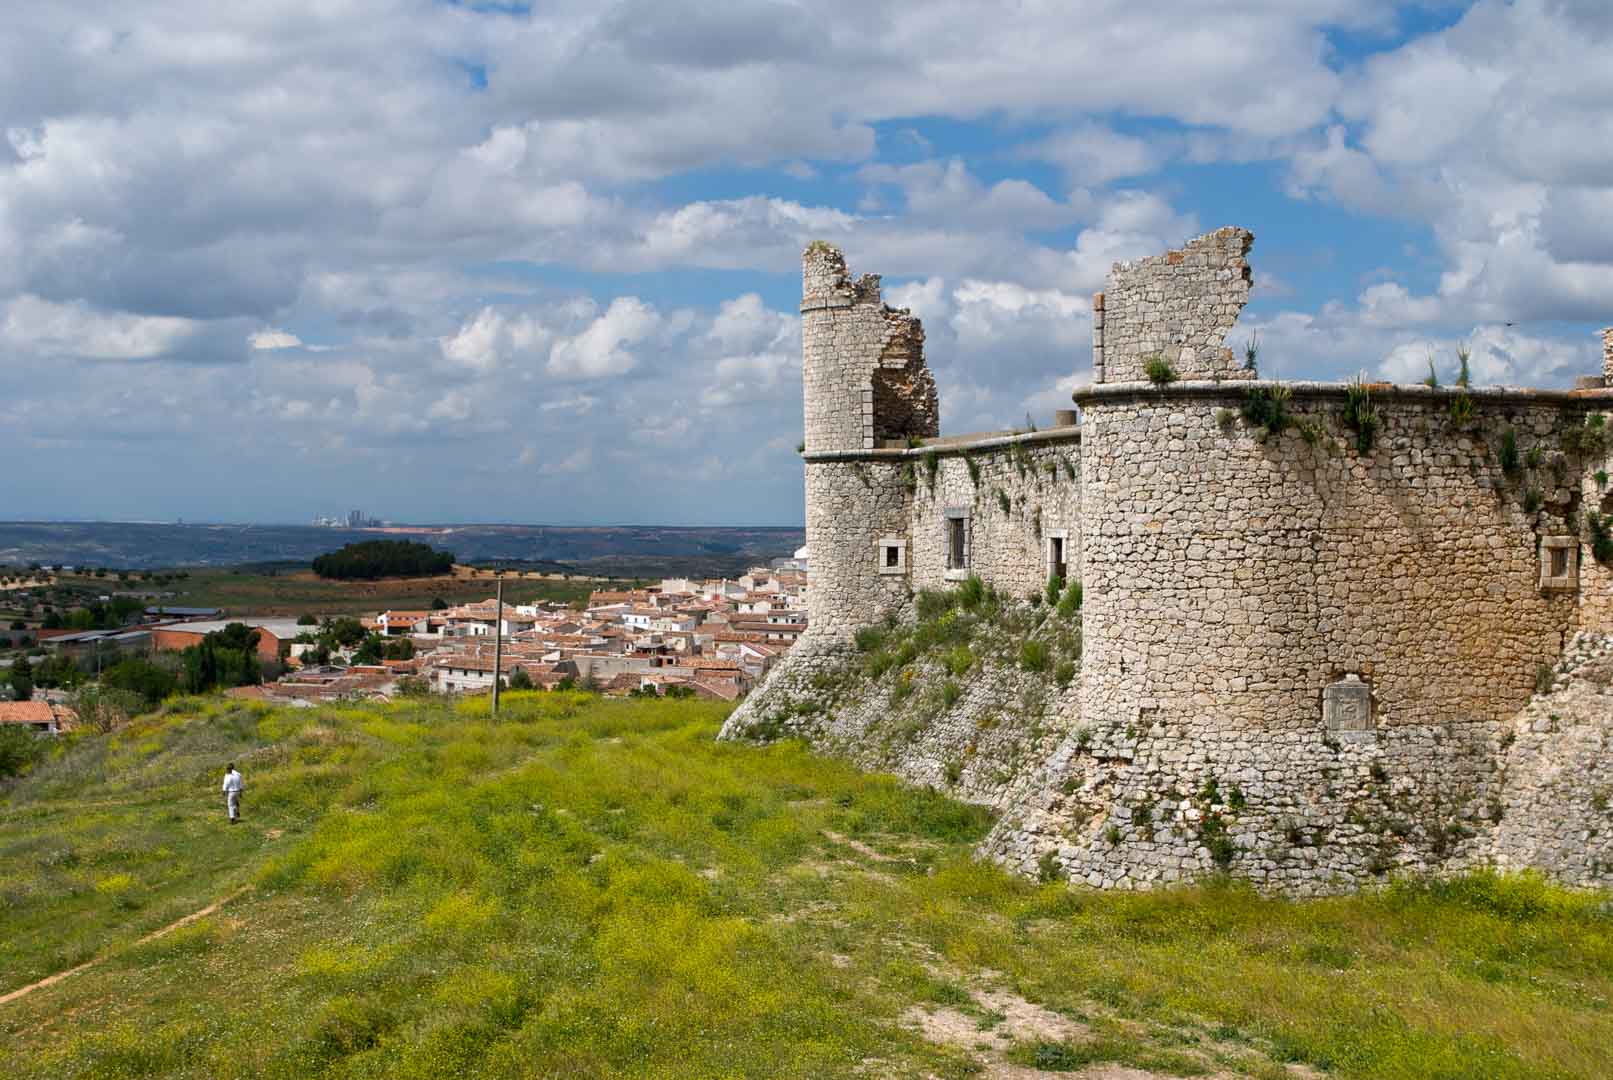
(1178, 307)
(1307, 643)
(1415, 564)
(850, 505)
(1016, 498)
(1232, 579)
(859, 504)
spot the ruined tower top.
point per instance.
(1177, 307)
(862, 363)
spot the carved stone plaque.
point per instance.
(1347, 707)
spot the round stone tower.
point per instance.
(862, 363)
(865, 386)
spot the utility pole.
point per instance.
(498, 643)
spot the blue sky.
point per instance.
(500, 262)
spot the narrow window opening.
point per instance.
(1056, 557)
(956, 554)
(1559, 561)
(893, 556)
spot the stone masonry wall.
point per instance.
(862, 363)
(859, 503)
(1554, 810)
(1231, 580)
(1414, 564)
(850, 504)
(1179, 306)
(1038, 478)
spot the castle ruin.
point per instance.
(1330, 631)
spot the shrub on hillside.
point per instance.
(1033, 655)
(372, 559)
(104, 709)
(19, 749)
(141, 678)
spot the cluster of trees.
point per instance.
(149, 680)
(224, 658)
(97, 615)
(372, 559)
(49, 672)
(333, 636)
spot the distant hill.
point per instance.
(620, 550)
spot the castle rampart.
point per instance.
(1314, 613)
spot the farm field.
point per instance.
(598, 888)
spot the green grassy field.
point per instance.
(597, 888)
(251, 591)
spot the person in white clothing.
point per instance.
(232, 792)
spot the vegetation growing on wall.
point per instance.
(1021, 459)
(1461, 409)
(921, 669)
(1265, 409)
(1587, 437)
(1507, 454)
(1360, 415)
(1601, 537)
(1159, 370)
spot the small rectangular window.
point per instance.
(1559, 562)
(891, 552)
(957, 553)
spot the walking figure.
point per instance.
(232, 792)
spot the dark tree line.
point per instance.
(373, 559)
